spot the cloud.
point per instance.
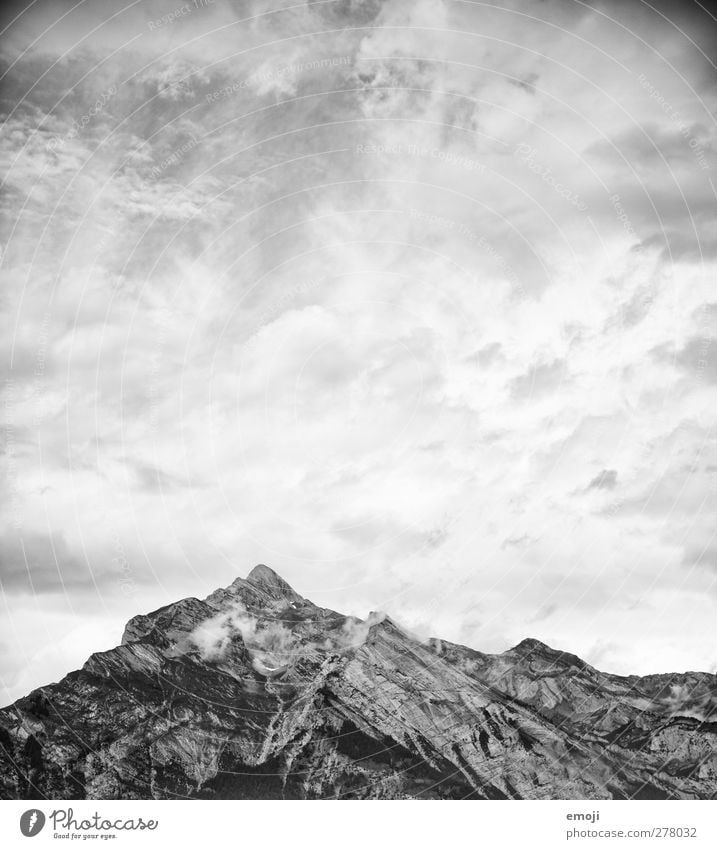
(607, 479)
(697, 358)
(702, 554)
(489, 354)
(355, 632)
(271, 645)
(213, 636)
(516, 541)
(539, 380)
(293, 276)
(36, 563)
(152, 479)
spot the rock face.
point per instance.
(255, 692)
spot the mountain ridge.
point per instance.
(255, 692)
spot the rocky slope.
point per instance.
(255, 692)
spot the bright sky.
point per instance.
(412, 301)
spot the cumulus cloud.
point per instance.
(697, 358)
(37, 563)
(606, 479)
(271, 645)
(354, 632)
(539, 380)
(284, 285)
(213, 636)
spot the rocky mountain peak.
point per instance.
(529, 644)
(272, 583)
(254, 692)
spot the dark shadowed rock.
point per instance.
(255, 692)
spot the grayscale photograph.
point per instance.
(359, 406)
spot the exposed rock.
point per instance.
(257, 693)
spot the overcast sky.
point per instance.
(413, 301)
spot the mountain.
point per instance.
(255, 692)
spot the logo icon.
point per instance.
(32, 822)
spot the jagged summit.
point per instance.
(261, 586)
(531, 644)
(272, 583)
(535, 651)
(261, 572)
(254, 692)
